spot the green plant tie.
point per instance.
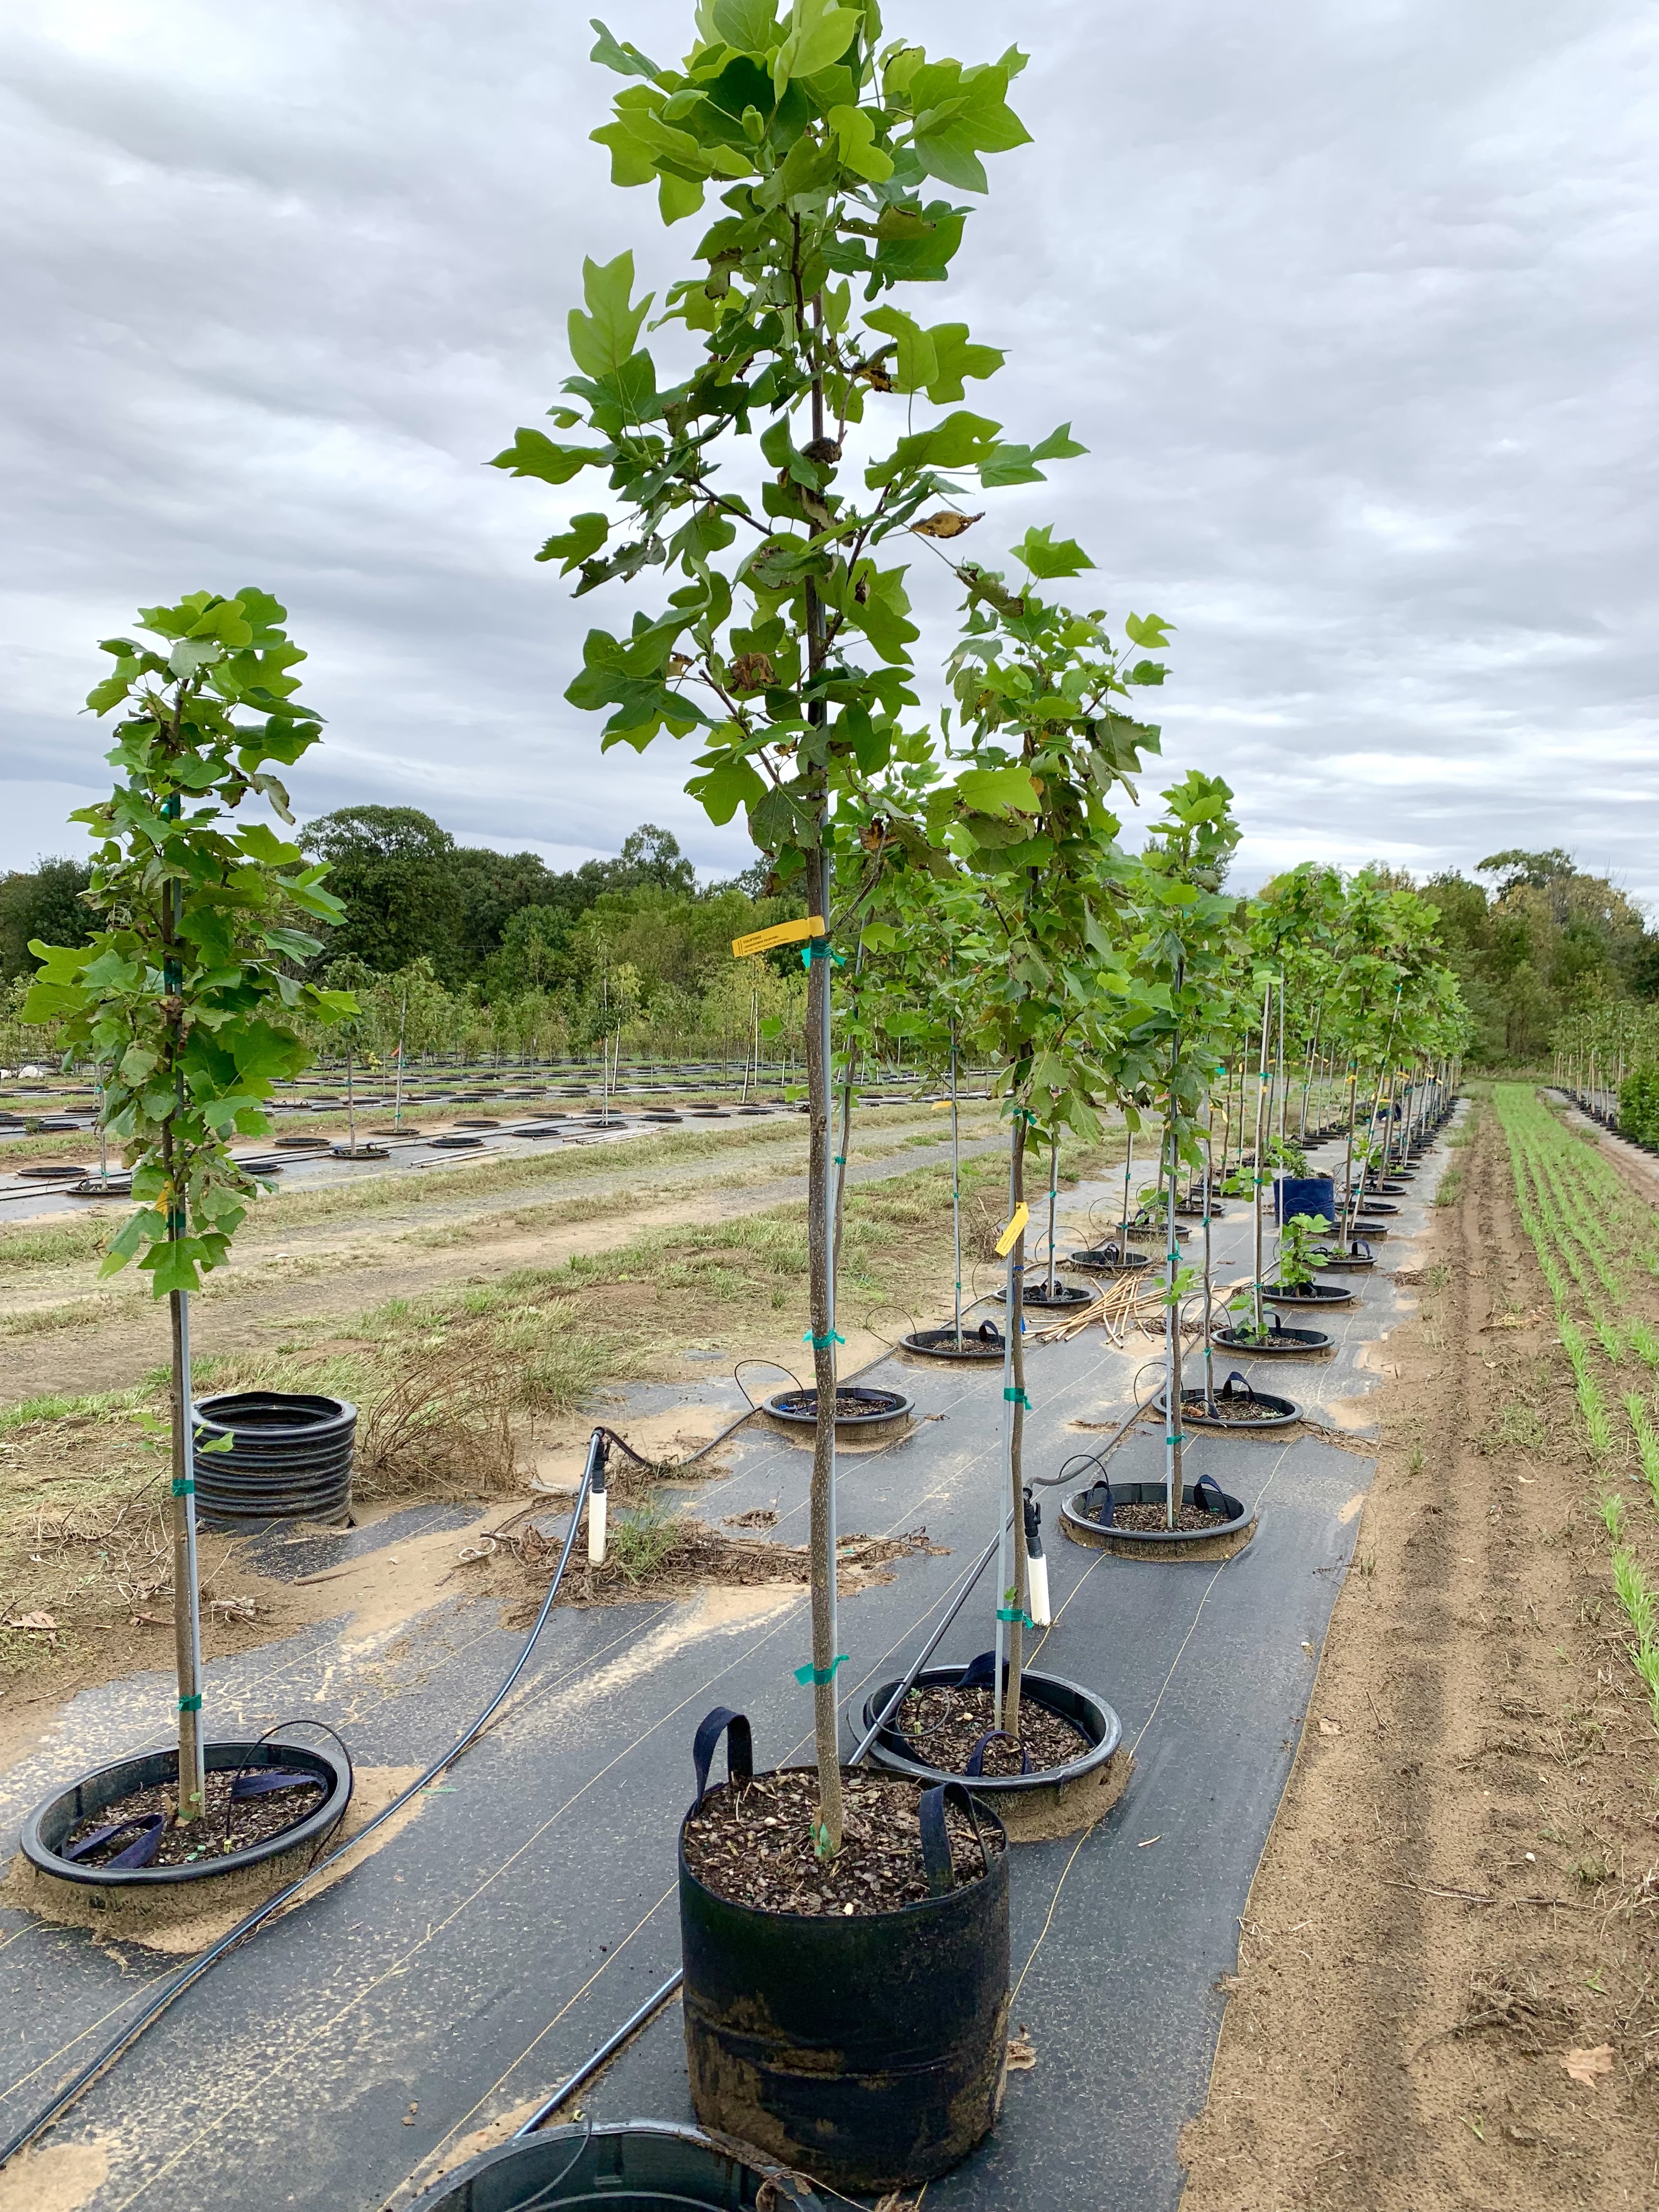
(191, 1705)
(183, 1487)
(1176, 1440)
(822, 1343)
(1018, 1398)
(1013, 1612)
(822, 950)
(840, 1158)
(817, 1675)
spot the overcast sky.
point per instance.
(1353, 303)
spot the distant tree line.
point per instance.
(1532, 951)
(465, 949)
(498, 945)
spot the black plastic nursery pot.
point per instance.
(1108, 1259)
(1357, 1260)
(1086, 1517)
(458, 1143)
(1055, 1801)
(1238, 1408)
(863, 1412)
(303, 1143)
(359, 1151)
(1065, 1297)
(626, 2166)
(868, 2050)
(288, 1459)
(1280, 1343)
(975, 1345)
(47, 1829)
(1316, 1296)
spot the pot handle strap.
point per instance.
(935, 1840)
(975, 1766)
(979, 1673)
(260, 1781)
(740, 1748)
(1099, 1502)
(1209, 1480)
(149, 1826)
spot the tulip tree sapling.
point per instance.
(187, 992)
(783, 636)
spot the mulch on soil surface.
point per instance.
(686, 1555)
(849, 1404)
(224, 1826)
(1139, 1519)
(755, 1845)
(944, 1724)
(1238, 1409)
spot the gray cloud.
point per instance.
(1350, 303)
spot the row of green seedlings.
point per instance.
(1588, 1231)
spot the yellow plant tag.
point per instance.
(781, 933)
(941, 1106)
(1006, 1242)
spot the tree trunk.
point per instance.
(820, 1240)
(187, 1595)
(1209, 1284)
(1175, 1402)
(1256, 1168)
(956, 1187)
(1014, 1601)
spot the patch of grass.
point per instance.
(1449, 1188)
(53, 1244)
(55, 1408)
(1520, 1428)
(45, 1321)
(640, 1539)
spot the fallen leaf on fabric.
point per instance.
(1330, 1728)
(1589, 2066)
(37, 1620)
(1022, 2053)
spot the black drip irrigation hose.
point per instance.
(189, 1975)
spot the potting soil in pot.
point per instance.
(943, 1724)
(224, 1826)
(1235, 1408)
(755, 1845)
(1145, 1519)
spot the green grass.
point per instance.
(1575, 1210)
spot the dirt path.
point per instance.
(1458, 1892)
(67, 1335)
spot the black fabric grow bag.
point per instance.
(870, 2050)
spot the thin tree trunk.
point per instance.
(1173, 1401)
(186, 1593)
(1209, 1284)
(820, 1243)
(1054, 1197)
(955, 1187)
(1014, 1604)
(1255, 1169)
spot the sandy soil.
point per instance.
(1444, 1998)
